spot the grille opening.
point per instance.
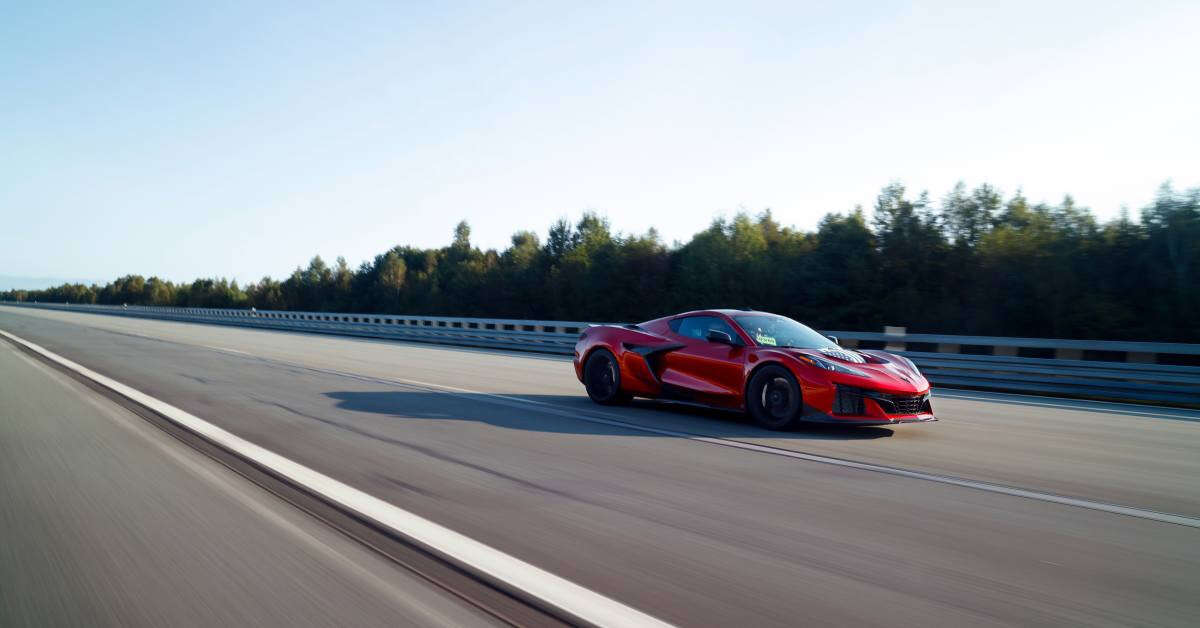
(901, 404)
(849, 400)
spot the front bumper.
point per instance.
(851, 405)
(813, 415)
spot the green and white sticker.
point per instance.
(764, 340)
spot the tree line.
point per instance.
(971, 262)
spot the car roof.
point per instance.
(722, 311)
(725, 311)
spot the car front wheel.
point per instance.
(773, 398)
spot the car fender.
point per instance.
(814, 383)
(635, 350)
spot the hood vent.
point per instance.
(842, 354)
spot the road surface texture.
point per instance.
(506, 449)
(107, 520)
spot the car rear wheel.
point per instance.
(602, 378)
(773, 398)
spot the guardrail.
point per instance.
(521, 335)
(1129, 371)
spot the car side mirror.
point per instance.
(834, 339)
(716, 335)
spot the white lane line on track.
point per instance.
(607, 419)
(580, 602)
(225, 349)
(866, 466)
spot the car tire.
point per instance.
(602, 378)
(774, 399)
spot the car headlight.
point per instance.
(833, 366)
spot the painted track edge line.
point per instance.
(570, 598)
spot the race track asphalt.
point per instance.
(106, 520)
(505, 448)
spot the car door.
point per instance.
(701, 370)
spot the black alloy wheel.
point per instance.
(602, 378)
(773, 398)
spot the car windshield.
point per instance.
(780, 331)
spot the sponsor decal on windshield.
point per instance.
(764, 340)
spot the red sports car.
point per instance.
(779, 371)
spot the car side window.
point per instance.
(698, 326)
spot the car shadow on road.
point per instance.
(578, 415)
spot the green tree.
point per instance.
(973, 263)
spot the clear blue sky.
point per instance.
(239, 139)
